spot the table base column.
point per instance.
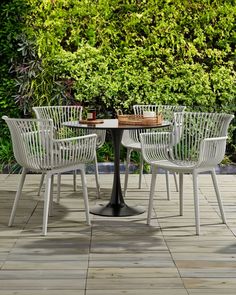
(116, 206)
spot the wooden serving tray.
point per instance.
(92, 122)
(139, 120)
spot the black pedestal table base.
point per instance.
(116, 206)
(116, 210)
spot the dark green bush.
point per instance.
(11, 20)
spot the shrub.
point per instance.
(112, 54)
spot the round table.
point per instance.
(116, 206)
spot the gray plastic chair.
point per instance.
(60, 115)
(35, 149)
(200, 146)
(131, 140)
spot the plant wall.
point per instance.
(112, 54)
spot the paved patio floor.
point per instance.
(118, 255)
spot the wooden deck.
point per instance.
(118, 255)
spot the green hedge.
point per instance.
(113, 54)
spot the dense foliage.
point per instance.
(115, 53)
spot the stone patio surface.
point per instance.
(118, 255)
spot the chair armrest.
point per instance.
(75, 150)
(212, 151)
(155, 146)
(76, 138)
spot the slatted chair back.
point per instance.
(196, 130)
(60, 115)
(201, 138)
(35, 148)
(32, 142)
(131, 137)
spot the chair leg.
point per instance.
(141, 171)
(58, 187)
(85, 195)
(74, 180)
(129, 151)
(41, 183)
(167, 185)
(151, 195)
(51, 198)
(181, 191)
(176, 182)
(97, 177)
(46, 203)
(216, 187)
(17, 197)
(196, 202)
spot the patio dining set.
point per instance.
(58, 141)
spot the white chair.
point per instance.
(36, 150)
(59, 115)
(200, 147)
(131, 140)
